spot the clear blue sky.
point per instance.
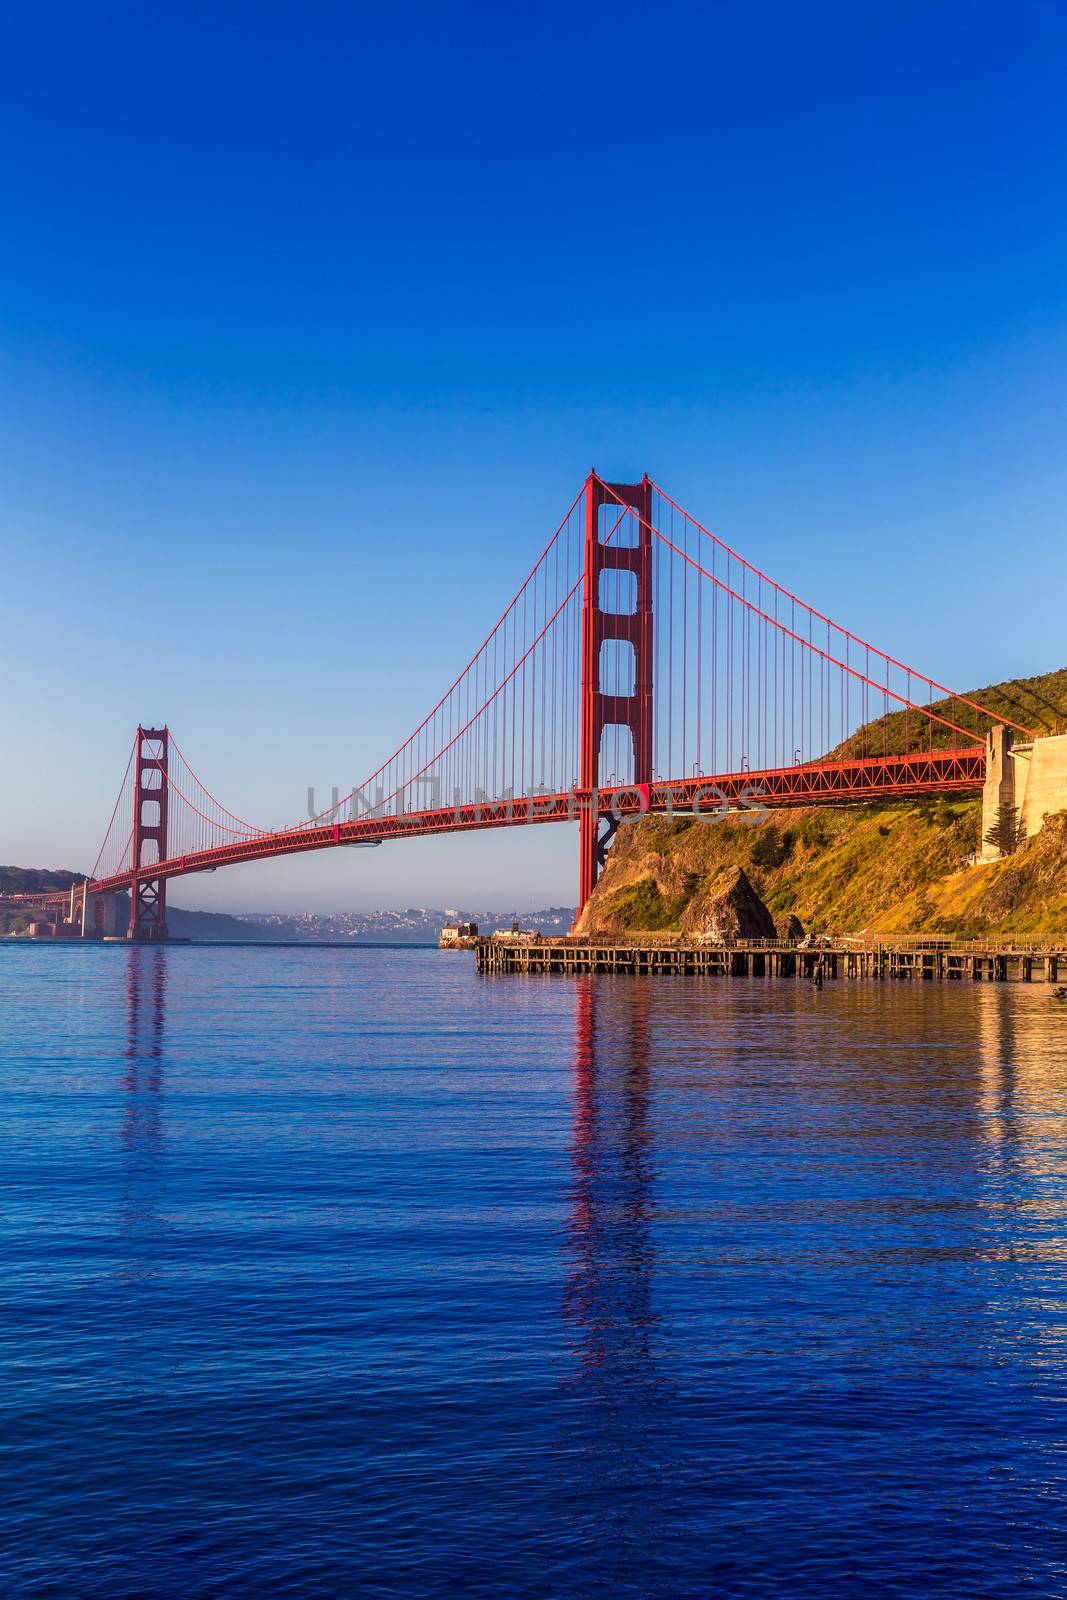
(312, 318)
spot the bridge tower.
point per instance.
(627, 549)
(148, 894)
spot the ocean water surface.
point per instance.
(346, 1272)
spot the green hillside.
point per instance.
(182, 924)
(1037, 704)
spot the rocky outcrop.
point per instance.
(788, 927)
(650, 890)
(727, 907)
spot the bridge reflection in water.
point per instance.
(615, 1440)
(143, 1090)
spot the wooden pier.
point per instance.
(883, 960)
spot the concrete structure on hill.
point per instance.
(1030, 778)
(85, 917)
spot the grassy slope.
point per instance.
(1039, 704)
(893, 867)
(1026, 894)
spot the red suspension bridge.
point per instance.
(643, 666)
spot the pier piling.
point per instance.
(912, 961)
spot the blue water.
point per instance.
(348, 1273)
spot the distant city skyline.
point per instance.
(412, 924)
(307, 339)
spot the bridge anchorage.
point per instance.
(643, 666)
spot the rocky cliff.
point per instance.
(879, 869)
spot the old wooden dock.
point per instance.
(883, 960)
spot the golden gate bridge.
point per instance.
(643, 666)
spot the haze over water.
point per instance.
(347, 1272)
